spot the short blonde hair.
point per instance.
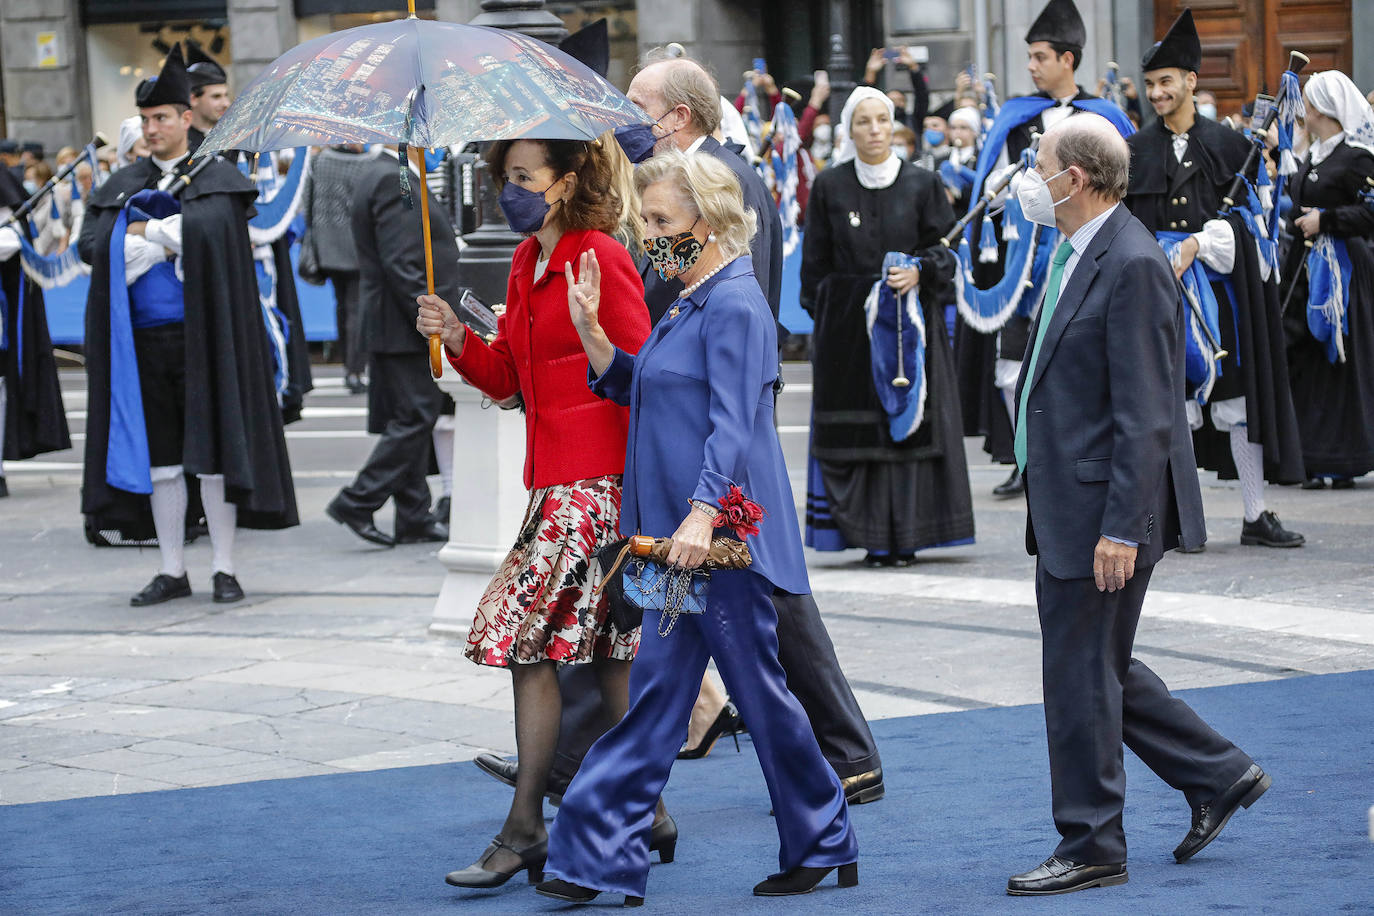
(713, 191)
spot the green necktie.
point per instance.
(1061, 257)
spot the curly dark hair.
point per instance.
(598, 201)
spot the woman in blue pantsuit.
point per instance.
(700, 393)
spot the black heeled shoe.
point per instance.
(724, 724)
(568, 892)
(803, 880)
(532, 860)
(663, 839)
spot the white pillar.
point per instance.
(489, 499)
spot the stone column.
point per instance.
(488, 502)
(839, 63)
(260, 31)
(46, 98)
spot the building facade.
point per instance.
(69, 67)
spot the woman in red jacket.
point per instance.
(539, 610)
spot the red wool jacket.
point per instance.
(570, 433)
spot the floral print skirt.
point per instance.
(539, 607)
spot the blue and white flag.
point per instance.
(897, 345)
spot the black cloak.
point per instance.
(233, 424)
(35, 421)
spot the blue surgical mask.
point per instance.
(934, 137)
(638, 140)
(435, 158)
(525, 210)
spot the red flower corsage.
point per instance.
(739, 513)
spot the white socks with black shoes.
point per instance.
(169, 499)
(1249, 458)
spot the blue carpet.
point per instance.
(967, 804)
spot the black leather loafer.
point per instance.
(532, 860)
(226, 587)
(1014, 485)
(507, 771)
(1060, 876)
(162, 588)
(803, 880)
(362, 526)
(1208, 819)
(576, 893)
(864, 788)
(1268, 531)
(431, 532)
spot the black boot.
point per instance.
(803, 880)
(1012, 486)
(1268, 531)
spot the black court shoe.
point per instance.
(576, 893)
(663, 839)
(532, 860)
(725, 724)
(803, 880)
(162, 588)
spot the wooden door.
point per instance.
(1245, 43)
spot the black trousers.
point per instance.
(161, 355)
(1096, 697)
(348, 321)
(813, 676)
(400, 389)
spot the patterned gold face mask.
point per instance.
(670, 255)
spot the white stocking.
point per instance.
(169, 518)
(222, 518)
(443, 452)
(1249, 458)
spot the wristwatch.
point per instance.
(710, 510)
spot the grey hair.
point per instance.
(1103, 155)
(708, 186)
(686, 82)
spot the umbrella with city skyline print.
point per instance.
(420, 83)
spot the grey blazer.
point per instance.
(1108, 449)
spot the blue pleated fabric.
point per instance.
(600, 838)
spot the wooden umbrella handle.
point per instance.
(436, 343)
(436, 356)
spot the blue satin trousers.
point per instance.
(600, 838)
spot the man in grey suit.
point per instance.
(1104, 444)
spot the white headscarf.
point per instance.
(130, 131)
(1333, 94)
(870, 176)
(971, 118)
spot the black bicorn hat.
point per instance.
(1180, 47)
(170, 87)
(590, 45)
(202, 69)
(1059, 23)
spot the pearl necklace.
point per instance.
(697, 285)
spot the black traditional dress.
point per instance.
(888, 497)
(1175, 196)
(1334, 400)
(233, 421)
(35, 421)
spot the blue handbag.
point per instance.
(653, 586)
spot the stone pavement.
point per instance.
(327, 667)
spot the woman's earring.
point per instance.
(710, 237)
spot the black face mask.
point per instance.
(670, 255)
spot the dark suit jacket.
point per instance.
(765, 249)
(1108, 448)
(391, 257)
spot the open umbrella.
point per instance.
(424, 83)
